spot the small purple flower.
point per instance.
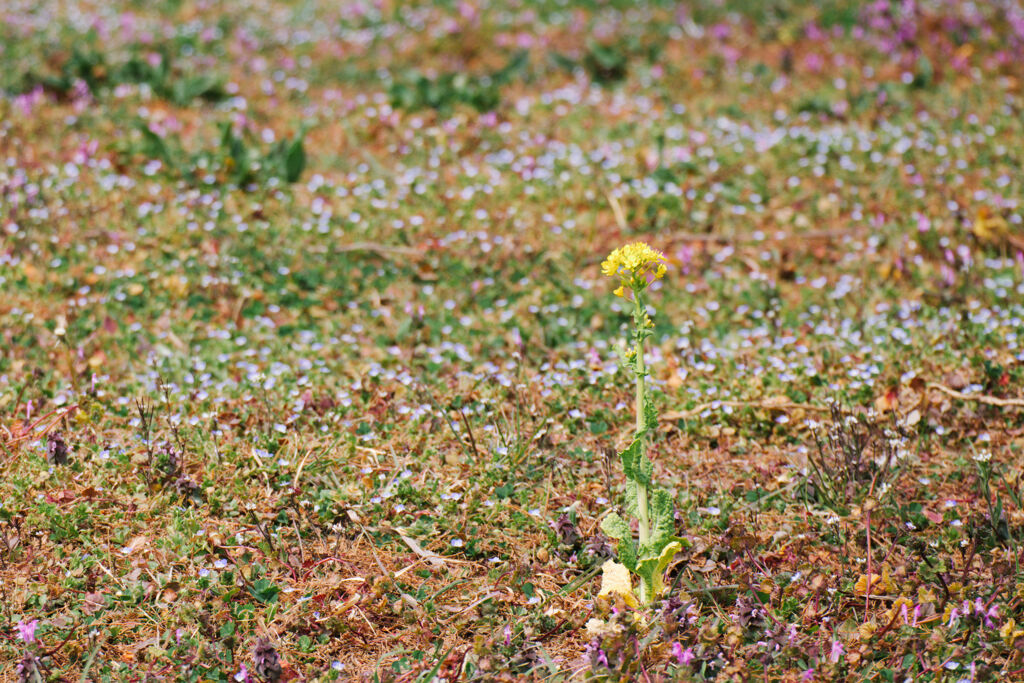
(27, 102)
(964, 252)
(808, 675)
(682, 656)
(837, 651)
(27, 631)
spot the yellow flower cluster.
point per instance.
(632, 263)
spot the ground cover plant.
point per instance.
(313, 366)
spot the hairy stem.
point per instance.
(641, 387)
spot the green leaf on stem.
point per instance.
(651, 570)
(615, 527)
(629, 458)
(663, 525)
(632, 497)
(644, 470)
(650, 415)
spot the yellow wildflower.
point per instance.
(632, 263)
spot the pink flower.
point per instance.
(813, 32)
(468, 11)
(27, 630)
(837, 651)
(682, 656)
(814, 62)
(27, 102)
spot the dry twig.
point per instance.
(774, 403)
(979, 398)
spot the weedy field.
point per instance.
(529, 340)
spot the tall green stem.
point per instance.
(641, 387)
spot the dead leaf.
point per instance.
(93, 602)
(135, 545)
(170, 592)
(433, 558)
(888, 401)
